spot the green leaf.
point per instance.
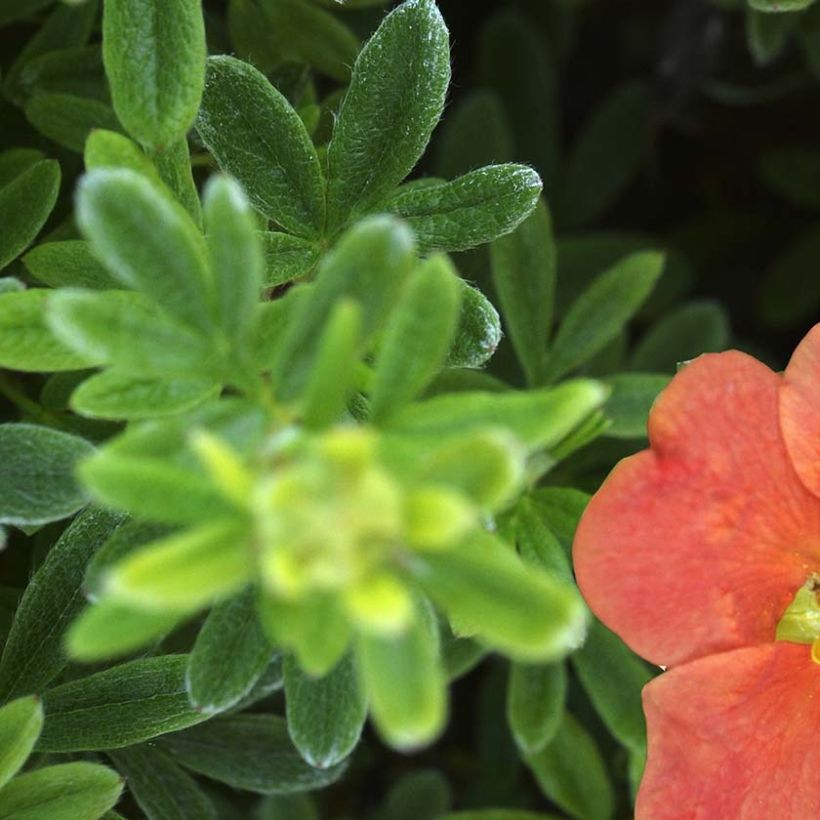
(523, 270)
(229, 656)
(287, 257)
(325, 715)
(173, 164)
(26, 341)
(613, 677)
(498, 814)
(403, 677)
(420, 795)
(248, 752)
(121, 706)
(17, 9)
(472, 210)
(185, 571)
(114, 395)
(68, 119)
(127, 330)
(369, 265)
(479, 330)
(768, 34)
(76, 71)
(154, 52)
(69, 263)
(488, 592)
(25, 204)
(780, 5)
(14, 161)
(70, 791)
(682, 335)
(536, 542)
(287, 807)
(630, 402)
(538, 418)
(20, 725)
(235, 254)
(572, 774)
(793, 172)
(110, 149)
(562, 508)
(108, 630)
(257, 137)
(147, 242)
(161, 788)
(602, 310)
(535, 703)
(332, 377)
(395, 99)
(33, 655)
(424, 321)
(608, 154)
(37, 474)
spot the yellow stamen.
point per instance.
(815, 651)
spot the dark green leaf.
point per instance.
(20, 725)
(630, 402)
(287, 257)
(535, 703)
(479, 330)
(68, 119)
(793, 172)
(420, 795)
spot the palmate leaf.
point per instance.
(395, 99)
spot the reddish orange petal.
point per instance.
(699, 544)
(734, 736)
(800, 409)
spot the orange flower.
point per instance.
(692, 551)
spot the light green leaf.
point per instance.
(27, 342)
(572, 774)
(69, 263)
(523, 269)
(538, 418)
(108, 630)
(229, 656)
(423, 321)
(602, 310)
(20, 725)
(37, 474)
(235, 254)
(186, 571)
(110, 149)
(325, 715)
(404, 679)
(25, 204)
(287, 257)
(248, 752)
(535, 703)
(147, 242)
(369, 265)
(630, 402)
(395, 99)
(471, 210)
(127, 330)
(70, 791)
(682, 335)
(613, 678)
(33, 655)
(68, 119)
(257, 137)
(121, 706)
(114, 395)
(160, 787)
(488, 592)
(479, 330)
(154, 52)
(608, 154)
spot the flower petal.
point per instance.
(800, 409)
(699, 544)
(734, 736)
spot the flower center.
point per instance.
(801, 621)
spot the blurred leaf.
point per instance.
(287, 807)
(793, 172)
(395, 99)
(535, 703)
(420, 795)
(630, 402)
(780, 5)
(229, 656)
(25, 203)
(249, 752)
(20, 725)
(523, 269)
(325, 715)
(160, 787)
(121, 706)
(154, 54)
(602, 310)
(70, 791)
(33, 655)
(768, 34)
(37, 474)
